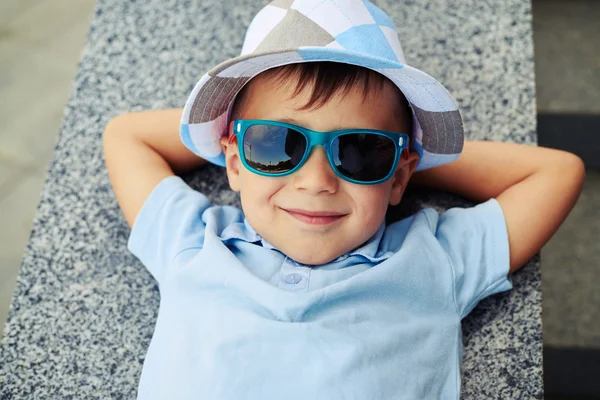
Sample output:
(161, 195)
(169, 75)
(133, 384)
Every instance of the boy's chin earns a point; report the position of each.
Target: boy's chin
(308, 257)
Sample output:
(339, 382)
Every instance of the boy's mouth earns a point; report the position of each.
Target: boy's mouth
(314, 217)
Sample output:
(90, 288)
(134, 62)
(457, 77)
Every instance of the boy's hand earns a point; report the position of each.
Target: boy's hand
(535, 186)
(140, 150)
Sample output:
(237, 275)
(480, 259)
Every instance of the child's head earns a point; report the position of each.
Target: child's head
(323, 97)
(365, 82)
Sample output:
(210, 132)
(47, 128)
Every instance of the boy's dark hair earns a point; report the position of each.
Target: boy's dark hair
(328, 78)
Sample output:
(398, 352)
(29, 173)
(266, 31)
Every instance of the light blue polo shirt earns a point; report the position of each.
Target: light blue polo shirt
(240, 320)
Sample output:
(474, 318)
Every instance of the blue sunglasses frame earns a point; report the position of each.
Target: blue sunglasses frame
(316, 138)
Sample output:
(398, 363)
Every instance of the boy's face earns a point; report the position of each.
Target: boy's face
(315, 187)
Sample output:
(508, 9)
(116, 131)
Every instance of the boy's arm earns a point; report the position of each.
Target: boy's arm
(535, 186)
(140, 150)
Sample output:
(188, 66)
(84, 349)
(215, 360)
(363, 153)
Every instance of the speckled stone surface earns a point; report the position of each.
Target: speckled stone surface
(84, 309)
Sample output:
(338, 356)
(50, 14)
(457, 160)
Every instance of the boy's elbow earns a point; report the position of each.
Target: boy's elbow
(116, 138)
(562, 164)
(115, 126)
(568, 178)
(573, 166)
(116, 131)
(579, 165)
(110, 131)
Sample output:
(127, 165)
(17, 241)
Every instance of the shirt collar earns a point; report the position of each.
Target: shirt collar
(369, 250)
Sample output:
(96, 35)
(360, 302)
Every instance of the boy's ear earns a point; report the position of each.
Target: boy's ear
(406, 166)
(232, 161)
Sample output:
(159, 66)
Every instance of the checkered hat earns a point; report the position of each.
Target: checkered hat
(347, 31)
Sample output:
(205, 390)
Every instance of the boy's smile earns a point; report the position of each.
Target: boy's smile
(313, 216)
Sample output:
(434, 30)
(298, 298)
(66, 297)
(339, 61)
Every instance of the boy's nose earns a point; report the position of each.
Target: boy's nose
(316, 175)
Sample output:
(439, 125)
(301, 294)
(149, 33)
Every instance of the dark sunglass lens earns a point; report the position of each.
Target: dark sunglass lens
(363, 157)
(273, 149)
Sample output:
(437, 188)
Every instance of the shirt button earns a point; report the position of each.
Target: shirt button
(292, 279)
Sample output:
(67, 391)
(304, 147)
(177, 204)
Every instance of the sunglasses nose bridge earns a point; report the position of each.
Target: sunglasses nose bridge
(318, 139)
(322, 139)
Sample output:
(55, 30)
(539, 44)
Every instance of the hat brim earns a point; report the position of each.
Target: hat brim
(438, 134)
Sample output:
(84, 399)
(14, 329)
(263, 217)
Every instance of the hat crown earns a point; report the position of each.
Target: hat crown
(354, 25)
(347, 31)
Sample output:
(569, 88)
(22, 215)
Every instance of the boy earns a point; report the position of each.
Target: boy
(306, 293)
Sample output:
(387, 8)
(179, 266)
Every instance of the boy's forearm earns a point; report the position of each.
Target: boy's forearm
(485, 168)
(134, 169)
(140, 150)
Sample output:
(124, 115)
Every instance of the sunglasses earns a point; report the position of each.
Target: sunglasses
(362, 156)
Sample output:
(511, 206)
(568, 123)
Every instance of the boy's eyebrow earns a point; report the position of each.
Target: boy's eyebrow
(335, 128)
(294, 122)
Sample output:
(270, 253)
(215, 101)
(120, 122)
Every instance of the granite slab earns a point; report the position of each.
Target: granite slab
(84, 308)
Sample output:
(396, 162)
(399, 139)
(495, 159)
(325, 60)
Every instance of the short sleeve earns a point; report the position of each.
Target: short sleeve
(169, 222)
(476, 241)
